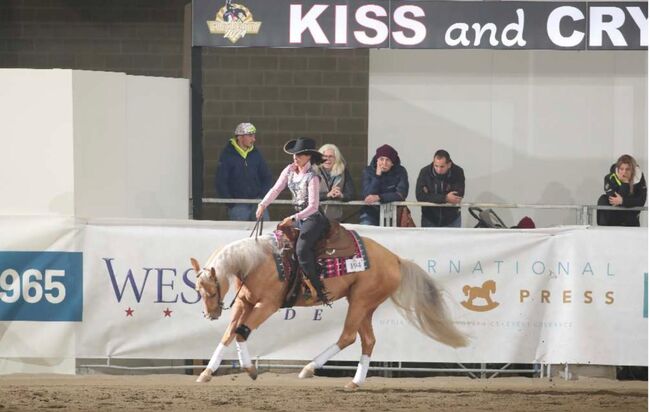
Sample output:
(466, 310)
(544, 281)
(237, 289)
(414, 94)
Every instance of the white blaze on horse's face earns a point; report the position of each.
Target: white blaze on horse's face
(210, 291)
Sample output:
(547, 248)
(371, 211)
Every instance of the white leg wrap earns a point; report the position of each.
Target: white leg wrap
(321, 359)
(244, 357)
(362, 370)
(216, 358)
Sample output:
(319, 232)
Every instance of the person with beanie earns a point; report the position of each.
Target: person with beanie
(441, 182)
(242, 173)
(384, 180)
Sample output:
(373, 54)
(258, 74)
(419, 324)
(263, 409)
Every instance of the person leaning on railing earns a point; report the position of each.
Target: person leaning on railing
(441, 181)
(625, 186)
(336, 182)
(384, 180)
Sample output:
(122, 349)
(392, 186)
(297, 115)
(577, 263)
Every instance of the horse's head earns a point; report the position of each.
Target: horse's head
(210, 289)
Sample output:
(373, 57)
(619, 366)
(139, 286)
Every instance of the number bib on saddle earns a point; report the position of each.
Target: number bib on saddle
(355, 265)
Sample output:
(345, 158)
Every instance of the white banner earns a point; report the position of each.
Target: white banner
(571, 294)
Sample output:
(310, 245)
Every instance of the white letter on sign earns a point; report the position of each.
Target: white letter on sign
(401, 20)
(341, 24)
(518, 28)
(362, 18)
(597, 26)
(553, 26)
(299, 23)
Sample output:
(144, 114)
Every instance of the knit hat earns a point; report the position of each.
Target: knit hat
(245, 128)
(387, 151)
(526, 223)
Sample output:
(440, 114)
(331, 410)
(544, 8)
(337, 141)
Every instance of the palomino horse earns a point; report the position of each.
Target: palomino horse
(250, 266)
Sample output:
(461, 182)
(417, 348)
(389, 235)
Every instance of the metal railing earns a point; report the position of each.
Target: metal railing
(388, 211)
(482, 372)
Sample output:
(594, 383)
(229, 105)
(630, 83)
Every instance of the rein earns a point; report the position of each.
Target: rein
(257, 229)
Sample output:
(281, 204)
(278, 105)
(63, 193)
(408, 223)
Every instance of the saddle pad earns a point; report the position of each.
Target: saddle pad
(330, 267)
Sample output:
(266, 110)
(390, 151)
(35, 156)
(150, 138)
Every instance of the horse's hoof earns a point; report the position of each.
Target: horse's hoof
(251, 371)
(205, 376)
(307, 372)
(351, 386)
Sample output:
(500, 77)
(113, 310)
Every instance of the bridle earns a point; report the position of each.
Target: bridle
(216, 294)
(222, 307)
(257, 230)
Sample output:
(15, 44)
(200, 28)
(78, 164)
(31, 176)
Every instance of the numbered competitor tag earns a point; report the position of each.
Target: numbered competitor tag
(355, 265)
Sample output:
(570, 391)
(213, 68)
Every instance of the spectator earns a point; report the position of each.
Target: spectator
(441, 182)
(625, 186)
(336, 182)
(242, 173)
(384, 180)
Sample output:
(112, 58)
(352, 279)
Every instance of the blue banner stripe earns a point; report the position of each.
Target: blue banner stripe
(41, 286)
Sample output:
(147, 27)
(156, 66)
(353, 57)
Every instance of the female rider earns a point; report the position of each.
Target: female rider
(304, 184)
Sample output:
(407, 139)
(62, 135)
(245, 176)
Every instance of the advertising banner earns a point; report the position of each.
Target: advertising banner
(567, 294)
(424, 24)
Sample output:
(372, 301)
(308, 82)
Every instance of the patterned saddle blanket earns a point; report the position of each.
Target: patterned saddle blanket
(332, 261)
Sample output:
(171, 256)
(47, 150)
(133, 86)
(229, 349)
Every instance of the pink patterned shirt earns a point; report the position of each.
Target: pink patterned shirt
(283, 181)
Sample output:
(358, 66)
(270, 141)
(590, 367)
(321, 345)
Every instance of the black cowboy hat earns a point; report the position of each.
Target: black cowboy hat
(304, 145)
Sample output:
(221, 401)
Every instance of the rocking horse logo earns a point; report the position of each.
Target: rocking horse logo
(234, 21)
(483, 292)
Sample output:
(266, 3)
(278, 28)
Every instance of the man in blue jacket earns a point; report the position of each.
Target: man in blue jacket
(384, 180)
(242, 173)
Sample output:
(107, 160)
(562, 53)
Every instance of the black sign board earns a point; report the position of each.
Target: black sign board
(423, 24)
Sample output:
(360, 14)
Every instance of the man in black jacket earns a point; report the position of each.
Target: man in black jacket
(441, 182)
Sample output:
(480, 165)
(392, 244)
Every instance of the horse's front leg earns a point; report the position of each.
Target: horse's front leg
(239, 310)
(249, 322)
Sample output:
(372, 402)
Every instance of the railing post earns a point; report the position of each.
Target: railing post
(587, 215)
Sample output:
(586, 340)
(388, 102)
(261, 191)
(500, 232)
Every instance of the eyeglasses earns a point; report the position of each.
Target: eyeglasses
(328, 157)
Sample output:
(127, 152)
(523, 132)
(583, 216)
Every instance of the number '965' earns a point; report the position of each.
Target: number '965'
(32, 286)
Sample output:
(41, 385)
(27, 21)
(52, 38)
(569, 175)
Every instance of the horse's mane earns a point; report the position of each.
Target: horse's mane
(241, 257)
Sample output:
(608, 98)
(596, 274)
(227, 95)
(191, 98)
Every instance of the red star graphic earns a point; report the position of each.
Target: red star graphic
(168, 313)
(129, 311)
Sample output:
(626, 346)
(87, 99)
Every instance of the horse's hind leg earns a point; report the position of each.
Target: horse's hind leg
(353, 320)
(367, 336)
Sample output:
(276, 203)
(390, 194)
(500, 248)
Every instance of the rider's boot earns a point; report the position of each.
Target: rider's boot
(320, 288)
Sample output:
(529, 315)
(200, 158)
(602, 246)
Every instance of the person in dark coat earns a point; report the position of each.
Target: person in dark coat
(384, 180)
(625, 186)
(441, 182)
(242, 173)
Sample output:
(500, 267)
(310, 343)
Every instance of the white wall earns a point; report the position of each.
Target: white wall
(94, 144)
(535, 127)
(131, 145)
(36, 164)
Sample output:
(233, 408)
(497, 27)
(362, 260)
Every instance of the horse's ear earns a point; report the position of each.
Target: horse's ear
(195, 265)
(213, 273)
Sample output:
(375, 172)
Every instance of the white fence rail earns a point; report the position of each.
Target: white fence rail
(584, 214)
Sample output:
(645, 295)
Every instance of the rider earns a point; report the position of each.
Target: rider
(304, 184)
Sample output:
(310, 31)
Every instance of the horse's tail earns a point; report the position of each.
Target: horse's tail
(420, 302)
(466, 290)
